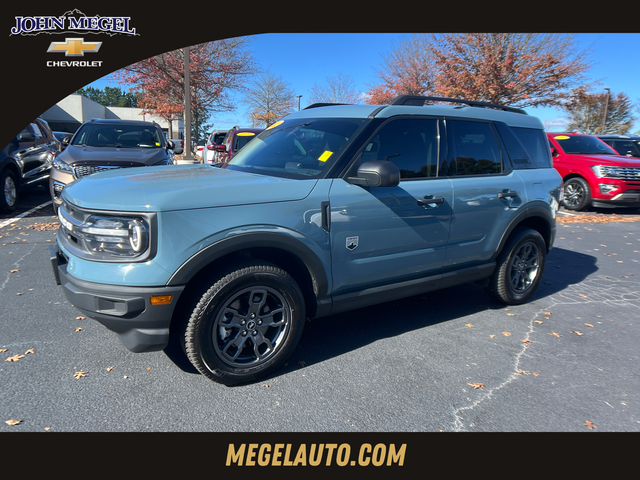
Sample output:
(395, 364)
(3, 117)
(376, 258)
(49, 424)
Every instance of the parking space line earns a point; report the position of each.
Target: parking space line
(23, 214)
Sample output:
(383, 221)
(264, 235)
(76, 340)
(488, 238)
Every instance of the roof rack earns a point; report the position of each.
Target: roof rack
(419, 100)
(316, 105)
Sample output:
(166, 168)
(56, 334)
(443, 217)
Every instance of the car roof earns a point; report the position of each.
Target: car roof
(475, 110)
(119, 121)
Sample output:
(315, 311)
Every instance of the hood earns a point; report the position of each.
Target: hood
(180, 187)
(75, 154)
(613, 160)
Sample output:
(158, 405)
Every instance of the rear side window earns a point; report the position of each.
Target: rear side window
(517, 153)
(536, 144)
(474, 147)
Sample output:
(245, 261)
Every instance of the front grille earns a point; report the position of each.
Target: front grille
(84, 170)
(626, 173)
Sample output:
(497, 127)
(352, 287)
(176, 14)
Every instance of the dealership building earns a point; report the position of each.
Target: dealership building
(71, 112)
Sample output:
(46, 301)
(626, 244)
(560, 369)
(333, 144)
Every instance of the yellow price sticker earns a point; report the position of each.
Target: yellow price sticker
(561, 137)
(246, 134)
(325, 156)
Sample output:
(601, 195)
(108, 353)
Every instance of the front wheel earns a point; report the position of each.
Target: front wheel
(577, 194)
(519, 268)
(8, 192)
(246, 324)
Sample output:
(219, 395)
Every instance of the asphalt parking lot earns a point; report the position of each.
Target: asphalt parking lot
(450, 361)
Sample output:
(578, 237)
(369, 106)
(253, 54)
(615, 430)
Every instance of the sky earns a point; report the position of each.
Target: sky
(305, 59)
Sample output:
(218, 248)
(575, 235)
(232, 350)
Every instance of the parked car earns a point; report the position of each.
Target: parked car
(215, 138)
(100, 145)
(26, 161)
(177, 145)
(628, 145)
(594, 174)
(331, 209)
(234, 140)
(199, 148)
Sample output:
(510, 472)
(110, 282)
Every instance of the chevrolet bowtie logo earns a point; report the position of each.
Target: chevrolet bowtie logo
(74, 47)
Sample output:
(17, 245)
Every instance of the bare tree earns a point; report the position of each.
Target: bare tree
(337, 89)
(268, 98)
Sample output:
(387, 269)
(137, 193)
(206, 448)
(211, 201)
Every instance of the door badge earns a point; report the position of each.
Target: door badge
(352, 243)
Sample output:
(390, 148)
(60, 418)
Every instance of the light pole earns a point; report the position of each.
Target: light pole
(606, 107)
(299, 102)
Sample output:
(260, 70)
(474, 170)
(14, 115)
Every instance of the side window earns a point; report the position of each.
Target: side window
(517, 153)
(412, 144)
(33, 127)
(536, 144)
(474, 148)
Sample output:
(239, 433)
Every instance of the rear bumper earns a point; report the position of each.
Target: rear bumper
(141, 327)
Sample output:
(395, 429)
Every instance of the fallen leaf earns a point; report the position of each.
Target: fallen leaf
(522, 372)
(469, 325)
(80, 318)
(506, 334)
(13, 422)
(535, 374)
(78, 329)
(302, 363)
(31, 350)
(476, 385)
(2, 350)
(527, 342)
(266, 385)
(492, 336)
(585, 296)
(539, 322)
(15, 358)
(511, 314)
(14, 270)
(590, 425)
(577, 333)
(79, 374)
(109, 369)
(589, 325)
(18, 294)
(547, 313)
(148, 368)
(555, 334)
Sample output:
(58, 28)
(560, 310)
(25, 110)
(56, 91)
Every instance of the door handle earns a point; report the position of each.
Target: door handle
(507, 194)
(427, 201)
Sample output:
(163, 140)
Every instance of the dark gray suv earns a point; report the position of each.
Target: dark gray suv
(100, 145)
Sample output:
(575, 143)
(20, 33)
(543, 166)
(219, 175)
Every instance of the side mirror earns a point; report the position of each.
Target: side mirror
(66, 140)
(26, 137)
(377, 173)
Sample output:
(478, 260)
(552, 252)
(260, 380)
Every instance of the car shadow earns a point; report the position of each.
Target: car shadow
(358, 328)
(336, 335)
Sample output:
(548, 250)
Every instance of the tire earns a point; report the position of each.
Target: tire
(519, 267)
(577, 194)
(246, 324)
(8, 191)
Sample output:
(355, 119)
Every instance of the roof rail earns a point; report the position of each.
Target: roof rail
(419, 100)
(316, 105)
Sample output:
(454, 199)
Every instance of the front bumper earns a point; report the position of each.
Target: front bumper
(628, 198)
(141, 327)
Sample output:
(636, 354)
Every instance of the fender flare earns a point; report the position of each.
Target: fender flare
(254, 240)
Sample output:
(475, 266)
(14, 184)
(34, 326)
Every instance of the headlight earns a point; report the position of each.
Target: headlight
(62, 166)
(110, 237)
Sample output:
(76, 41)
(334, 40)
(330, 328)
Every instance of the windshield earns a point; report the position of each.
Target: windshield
(297, 148)
(577, 144)
(119, 135)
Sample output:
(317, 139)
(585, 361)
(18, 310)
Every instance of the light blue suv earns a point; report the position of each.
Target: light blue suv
(332, 208)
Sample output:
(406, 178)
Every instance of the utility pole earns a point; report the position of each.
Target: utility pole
(187, 105)
(606, 107)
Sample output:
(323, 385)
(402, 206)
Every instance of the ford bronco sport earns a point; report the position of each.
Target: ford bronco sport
(330, 209)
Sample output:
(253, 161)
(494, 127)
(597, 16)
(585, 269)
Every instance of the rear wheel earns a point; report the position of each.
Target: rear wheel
(577, 194)
(519, 268)
(246, 324)
(9, 192)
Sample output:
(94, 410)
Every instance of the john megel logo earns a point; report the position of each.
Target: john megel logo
(73, 22)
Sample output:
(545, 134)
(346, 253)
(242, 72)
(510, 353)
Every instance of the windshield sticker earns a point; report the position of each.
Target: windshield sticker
(561, 137)
(325, 156)
(275, 124)
(245, 134)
